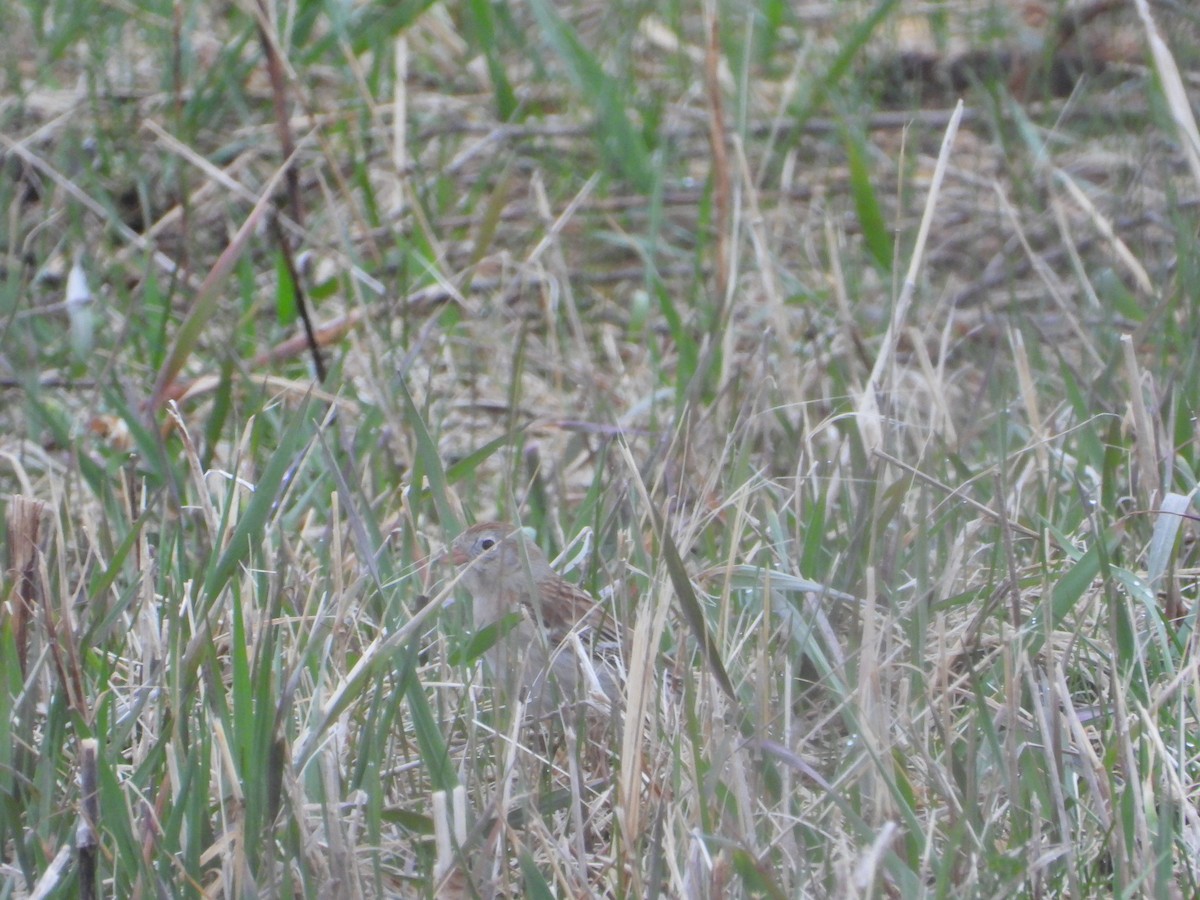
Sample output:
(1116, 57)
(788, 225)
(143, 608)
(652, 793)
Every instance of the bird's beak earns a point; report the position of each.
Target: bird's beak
(457, 555)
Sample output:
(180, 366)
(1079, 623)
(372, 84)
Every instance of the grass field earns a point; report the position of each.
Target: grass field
(766, 335)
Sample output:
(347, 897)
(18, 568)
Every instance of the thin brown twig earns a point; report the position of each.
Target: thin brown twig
(287, 144)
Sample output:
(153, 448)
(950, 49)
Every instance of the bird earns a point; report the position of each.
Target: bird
(564, 646)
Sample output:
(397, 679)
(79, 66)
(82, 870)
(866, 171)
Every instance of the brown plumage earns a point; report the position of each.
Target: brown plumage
(505, 572)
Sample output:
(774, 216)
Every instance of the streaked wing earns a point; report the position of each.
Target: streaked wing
(567, 608)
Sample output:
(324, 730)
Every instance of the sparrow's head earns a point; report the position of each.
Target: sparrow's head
(495, 547)
(501, 565)
(481, 541)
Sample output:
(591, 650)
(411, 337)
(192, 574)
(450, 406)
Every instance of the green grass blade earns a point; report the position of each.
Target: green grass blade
(866, 204)
(248, 533)
(693, 612)
(483, 21)
(622, 146)
(428, 462)
(846, 55)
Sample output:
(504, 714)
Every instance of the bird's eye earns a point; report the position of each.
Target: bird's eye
(487, 544)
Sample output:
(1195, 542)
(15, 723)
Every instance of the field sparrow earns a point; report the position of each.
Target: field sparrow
(564, 642)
